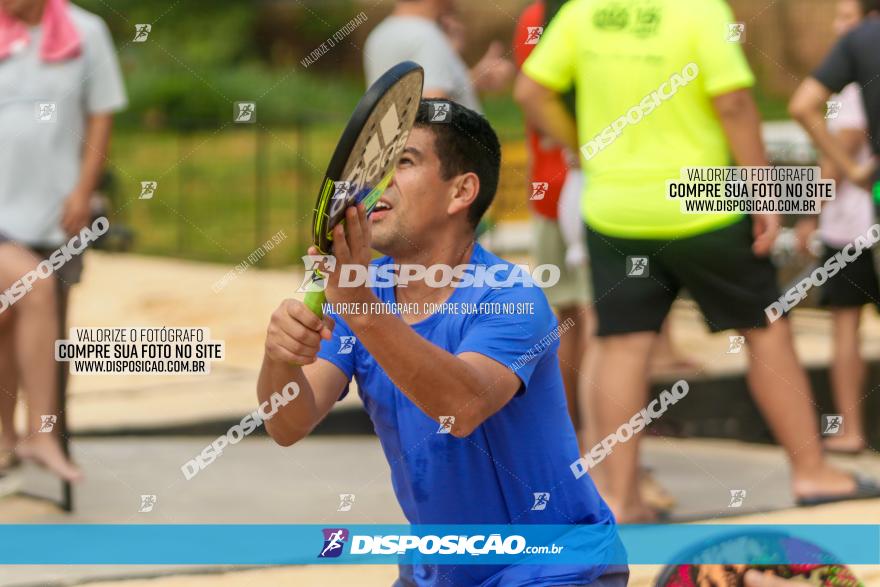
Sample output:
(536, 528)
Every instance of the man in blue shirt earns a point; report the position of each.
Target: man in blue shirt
(468, 402)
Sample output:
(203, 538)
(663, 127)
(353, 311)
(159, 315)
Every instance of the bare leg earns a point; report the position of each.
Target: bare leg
(666, 357)
(847, 379)
(780, 387)
(616, 388)
(35, 334)
(8, 386)
(572, 348)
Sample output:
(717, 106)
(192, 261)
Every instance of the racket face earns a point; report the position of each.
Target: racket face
(765, 551)
(368, 150)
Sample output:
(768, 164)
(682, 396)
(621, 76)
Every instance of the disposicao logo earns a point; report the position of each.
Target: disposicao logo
(334, 541)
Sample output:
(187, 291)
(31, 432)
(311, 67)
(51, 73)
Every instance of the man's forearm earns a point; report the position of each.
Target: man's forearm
(553, 119)
(295, 420)
(438, 382)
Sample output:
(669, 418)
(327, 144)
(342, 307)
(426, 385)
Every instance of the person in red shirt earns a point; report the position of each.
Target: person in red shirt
(548, 170)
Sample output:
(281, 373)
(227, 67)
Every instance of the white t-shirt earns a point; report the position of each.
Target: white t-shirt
(40, 160)
(412, 38)
(851, 212)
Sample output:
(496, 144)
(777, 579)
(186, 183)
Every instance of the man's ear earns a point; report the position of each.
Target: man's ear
(464, 191)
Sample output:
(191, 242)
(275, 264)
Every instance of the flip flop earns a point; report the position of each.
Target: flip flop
(653, 493)
(865, 489)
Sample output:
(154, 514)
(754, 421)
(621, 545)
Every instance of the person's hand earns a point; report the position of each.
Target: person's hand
(803, 230)
(76, 213)
(765, 229)
(454, 30)
(351, 247)
(294, 334)
(493, 72)
(862, 175)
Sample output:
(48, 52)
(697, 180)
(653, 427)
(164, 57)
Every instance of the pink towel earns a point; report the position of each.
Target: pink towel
(60, 37)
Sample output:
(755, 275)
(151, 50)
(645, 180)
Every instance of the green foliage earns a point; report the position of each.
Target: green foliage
(174, 99)
(200, 33)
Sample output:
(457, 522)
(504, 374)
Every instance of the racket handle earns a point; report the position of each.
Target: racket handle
(314, 301)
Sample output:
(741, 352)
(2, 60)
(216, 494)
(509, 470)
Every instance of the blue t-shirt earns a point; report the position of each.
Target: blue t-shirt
(491, 476)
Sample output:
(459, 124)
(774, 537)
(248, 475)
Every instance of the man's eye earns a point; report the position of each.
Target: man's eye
(406, 160)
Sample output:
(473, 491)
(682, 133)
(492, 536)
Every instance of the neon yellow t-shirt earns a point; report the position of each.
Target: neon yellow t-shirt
(648, 69)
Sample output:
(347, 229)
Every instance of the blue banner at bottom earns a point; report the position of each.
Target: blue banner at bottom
(297, 544)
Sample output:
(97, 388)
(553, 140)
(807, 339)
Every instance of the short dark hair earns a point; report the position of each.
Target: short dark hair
(869, 6)
(464, 142)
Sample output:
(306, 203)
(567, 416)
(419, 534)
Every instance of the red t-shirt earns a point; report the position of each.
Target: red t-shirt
(548, 169)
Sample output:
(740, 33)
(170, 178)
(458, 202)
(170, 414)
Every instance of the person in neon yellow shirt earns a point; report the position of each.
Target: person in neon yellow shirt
(662, 85)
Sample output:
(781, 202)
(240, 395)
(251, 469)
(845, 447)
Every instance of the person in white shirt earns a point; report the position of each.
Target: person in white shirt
(412, 32)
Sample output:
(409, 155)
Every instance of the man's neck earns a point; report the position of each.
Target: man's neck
(451, 254)
(417, 8)
(32, 13)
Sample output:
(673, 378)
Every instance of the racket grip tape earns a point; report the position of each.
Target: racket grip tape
(314, 301)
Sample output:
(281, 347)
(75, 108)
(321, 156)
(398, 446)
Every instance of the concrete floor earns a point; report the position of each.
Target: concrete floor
(256, 481)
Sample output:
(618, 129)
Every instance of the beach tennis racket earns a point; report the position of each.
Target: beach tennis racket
(364, 160)
(784, 555)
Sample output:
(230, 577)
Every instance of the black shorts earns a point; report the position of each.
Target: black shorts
(853, 286)
(635, 281)
(68, 274)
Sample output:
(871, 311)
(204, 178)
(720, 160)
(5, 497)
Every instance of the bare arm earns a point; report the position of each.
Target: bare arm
(851, 140)
(470, 386)
(293, 338)
(741, 123)
(545, 111)
(493, 72)
(77, 211)
(807, 106)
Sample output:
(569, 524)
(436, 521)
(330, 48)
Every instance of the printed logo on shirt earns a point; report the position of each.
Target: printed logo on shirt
(641, 21)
